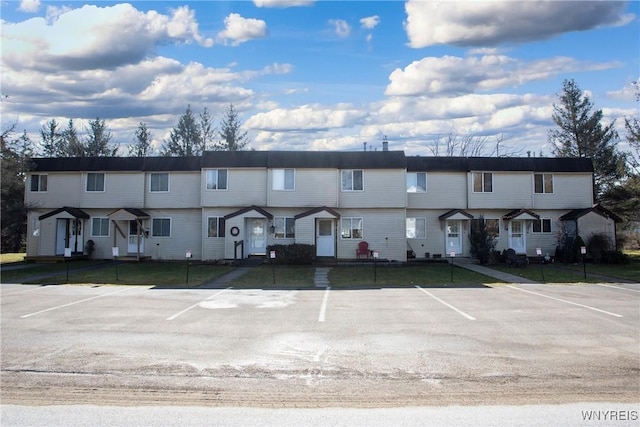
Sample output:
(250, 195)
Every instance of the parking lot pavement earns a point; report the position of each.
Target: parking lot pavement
(390, 346)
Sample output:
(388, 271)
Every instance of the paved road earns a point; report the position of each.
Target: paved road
(118, 346)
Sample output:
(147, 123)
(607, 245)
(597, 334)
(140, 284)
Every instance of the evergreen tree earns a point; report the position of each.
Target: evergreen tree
(207, 129)
(15, 153)
(581, 134)
(232, 138)
(142, 143)
(185, 138)
(52, 141)
(97, 142)
(71, 144)
(482, 242)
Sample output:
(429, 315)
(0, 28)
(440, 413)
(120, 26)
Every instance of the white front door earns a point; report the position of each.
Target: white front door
(454, 237)
(517, 236)
(325, 242)
(132, 243)
(62, 233)
(256, 236)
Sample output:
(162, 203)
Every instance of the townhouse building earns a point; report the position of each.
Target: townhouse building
(226, 205)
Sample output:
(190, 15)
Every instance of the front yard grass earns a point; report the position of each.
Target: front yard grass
(159, 274)
(302, 277)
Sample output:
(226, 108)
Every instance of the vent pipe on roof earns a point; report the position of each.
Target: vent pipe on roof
(385, 143)
(365, 145)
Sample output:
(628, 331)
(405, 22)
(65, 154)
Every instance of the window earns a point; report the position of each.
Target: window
(543, 182)
(283, 179)
(216, 179)
(284, 228)
(95, 181)
(99, 227)
(416, 182)
(38, 182)
(215, 226)
(159, 182)
(542, 225)
(352, 228)
(352, 180)
(482, 182)
(161, 227)
(416, 228)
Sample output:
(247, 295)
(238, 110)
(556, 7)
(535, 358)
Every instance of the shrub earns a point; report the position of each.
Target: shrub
(294, 254)
(482, 242)
(615, 257)
(575, 253)
(599, 243)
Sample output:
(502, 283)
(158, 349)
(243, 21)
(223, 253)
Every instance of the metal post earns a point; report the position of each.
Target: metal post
(583, 251)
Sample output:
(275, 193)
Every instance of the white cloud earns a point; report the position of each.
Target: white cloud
(370, 22)
(306, 118)
(94, 37)
(494, 22)
(29, 5)
(240, 30)
(341, 27)
(456, 75)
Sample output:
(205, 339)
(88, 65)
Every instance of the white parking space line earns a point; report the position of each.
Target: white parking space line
(617, 287)
(323, 308)
(446, 303)
(565, 301)
(76, 302)
(196, 304)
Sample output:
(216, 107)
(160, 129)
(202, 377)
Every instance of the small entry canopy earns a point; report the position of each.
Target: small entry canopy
(66, 212)
(128, 214)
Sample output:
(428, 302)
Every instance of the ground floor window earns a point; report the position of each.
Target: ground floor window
(284, 228)
(100, 227)
(416, 228)
(215, 226)
(542, 225)
(351, 228)
(161, 227)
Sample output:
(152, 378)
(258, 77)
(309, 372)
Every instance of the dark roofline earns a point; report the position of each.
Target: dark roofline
(75, 212)
(491, 164)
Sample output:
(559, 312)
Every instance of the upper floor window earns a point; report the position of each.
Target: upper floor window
(285, 228)
(216, 179)
(215, 226)
(351, 228)
(283, 179)
(416, 182)
(95, 181)
(159, 182)
(99, 227)
(543, 182)
(38, 182)
(542, 225)
(482, 182)
(161, 227)
(352, 180)
(416, 228)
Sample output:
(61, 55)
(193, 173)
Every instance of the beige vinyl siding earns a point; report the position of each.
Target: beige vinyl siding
(186, 234)
(510, 190)
(63, 189)
(383, 188)
(183, 191)
(213, 248)
(121, 189)
(35, 243)
(305, 230)
(593, 223)
(245, 187)
(383, 229)
(547, 242)
(436, 234)
(445, 190)
(313, 187)
(570, 191)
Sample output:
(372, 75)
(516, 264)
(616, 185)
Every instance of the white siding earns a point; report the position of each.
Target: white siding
(313, 187)
(445, 190)
(383, 229)
(511, 190)
(246, 187)
(183, 191)
(383, 188)
(63, 189)
(570, 191)
(121, 189)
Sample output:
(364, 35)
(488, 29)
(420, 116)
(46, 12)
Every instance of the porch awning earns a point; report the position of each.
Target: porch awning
(520, 214)
(255, 208)
(321, 211)
(455, 214)
(128, 214)
(66, 212)
(598, 209)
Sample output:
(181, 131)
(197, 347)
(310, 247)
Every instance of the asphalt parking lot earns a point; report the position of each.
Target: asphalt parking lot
(133, 345)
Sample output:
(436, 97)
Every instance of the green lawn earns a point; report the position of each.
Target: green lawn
(346, 277)
(130, 273)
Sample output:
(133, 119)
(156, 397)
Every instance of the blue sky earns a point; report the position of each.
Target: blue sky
(320, 75)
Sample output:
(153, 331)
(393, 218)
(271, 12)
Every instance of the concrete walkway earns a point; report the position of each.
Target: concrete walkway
(321, 277)
(225, 279)
(505, 277)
